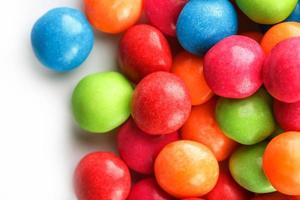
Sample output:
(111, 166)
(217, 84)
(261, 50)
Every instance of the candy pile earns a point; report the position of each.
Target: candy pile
(214, 118)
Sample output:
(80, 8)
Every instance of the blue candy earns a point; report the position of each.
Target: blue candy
(203, 23)
(295, 16)
(62, 39)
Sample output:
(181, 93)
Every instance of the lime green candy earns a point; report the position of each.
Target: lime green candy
(247, 121)
(245, 166)
(101, 101)
(267, 11)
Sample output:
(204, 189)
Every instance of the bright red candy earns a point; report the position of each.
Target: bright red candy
(161, 103)
(139, 149)
(164, 13)
(232, 68)
(144, 50)
(102, 175)
(275, 196)
(281, 71)
(288, 115)
(148, 189)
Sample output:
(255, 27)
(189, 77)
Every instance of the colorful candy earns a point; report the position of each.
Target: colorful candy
(288, 115)
(113, 16)
(135, 62)
(190, 69)
(139, 149)
(101, 101)
(161, 103)
(201, 24)
(186, 169)
(102, 175)
(62, 39)
(232, 67)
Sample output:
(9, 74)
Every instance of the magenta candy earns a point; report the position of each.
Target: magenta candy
(144, 50)
(281, 72)
(139, 149)
(163, 14)
(161, 103)
(232, 67)
(148, 189)
(288, 115)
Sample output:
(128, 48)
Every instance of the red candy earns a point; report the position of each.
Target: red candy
(161, 103)
(232, 67)
(275, 196)
(288, 115)
(144, 50)
(102, 175)
(164, 13)
(281, 71)
(148, 189)
(139, 149)
(193, 199)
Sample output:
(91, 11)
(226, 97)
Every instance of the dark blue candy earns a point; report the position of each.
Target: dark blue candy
(62, 39)
(203, 23)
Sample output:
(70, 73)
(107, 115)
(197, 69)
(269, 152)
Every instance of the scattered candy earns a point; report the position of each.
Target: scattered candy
(288, 115)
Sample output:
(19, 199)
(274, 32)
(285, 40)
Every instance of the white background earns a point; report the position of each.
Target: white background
(40, 144)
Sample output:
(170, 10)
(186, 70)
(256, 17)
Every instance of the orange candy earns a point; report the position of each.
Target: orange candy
(186, 169)
(113, 16)
(190, 69)
(257, 36)
(202, 127)
(279, 33)
(281, 163)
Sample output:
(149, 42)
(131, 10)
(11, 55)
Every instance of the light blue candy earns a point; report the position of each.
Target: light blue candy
(62, 39)
(203, 23)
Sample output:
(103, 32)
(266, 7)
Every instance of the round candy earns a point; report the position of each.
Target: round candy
(257, 36)
(247, 121)
(161, 103)
(279, 33)
(190, 69)
(201, 24)
(202, 127)
(102, 175)
(164, 13)
(62, 39)
(148, 189)
(267, 11)
(186, 169)
(281, 162)
(233, 66)
(295, 15)
(113, 16)
(281, 71)
(245, 165)
(140, 54)
(288, 115)
(101, 101)
(139, 149)
(275, 196)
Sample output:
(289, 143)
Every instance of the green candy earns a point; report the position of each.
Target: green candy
(247, 121)
(267, 11)
(101, 101)
(245, 166)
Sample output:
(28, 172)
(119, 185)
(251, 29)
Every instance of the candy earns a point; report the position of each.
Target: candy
(62, 39)
(247, 121)
(139, 149)
(101, 101)
(148, 189)
(161, 103)
(288, 115)
(232, 67)
(281, 162)
(275, 196)
(281, 71)
(186, 169)
(267, 11)
(193, 199)
(144, 50)
(245, 165)
(164, 13)
(113, 16)
(101, 175)
(201, 24)
(279, 33)
(295, 15)
(202, 127)
(190, 69)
